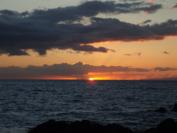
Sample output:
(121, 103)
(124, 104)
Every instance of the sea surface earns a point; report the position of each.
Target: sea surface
(25, 104)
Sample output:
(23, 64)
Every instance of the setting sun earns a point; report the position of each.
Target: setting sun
(98, 78)
(91, 79)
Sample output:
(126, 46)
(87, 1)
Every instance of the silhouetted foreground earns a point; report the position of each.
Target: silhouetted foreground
(78, 127)
(167, 126)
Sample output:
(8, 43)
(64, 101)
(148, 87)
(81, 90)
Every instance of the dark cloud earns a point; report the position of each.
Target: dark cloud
(42, 30)
(133, 54)
(174, 78)
(166, 52)
(78, 70)
(164, 69)
(128, 54)
(92, 8)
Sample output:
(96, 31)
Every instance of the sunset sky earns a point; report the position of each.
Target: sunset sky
(84, 39)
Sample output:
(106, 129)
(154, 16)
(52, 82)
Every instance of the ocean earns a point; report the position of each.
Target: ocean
(25, 104)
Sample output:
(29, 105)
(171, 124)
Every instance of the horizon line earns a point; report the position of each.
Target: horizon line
(88, 80)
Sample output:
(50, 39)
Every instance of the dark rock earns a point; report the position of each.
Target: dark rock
(167, 126)
(161, 110)
(78, 127)
(151, 130)
(174, 108)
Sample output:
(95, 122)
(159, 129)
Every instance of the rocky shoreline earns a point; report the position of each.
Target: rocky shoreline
(52, 126)
(85, 126)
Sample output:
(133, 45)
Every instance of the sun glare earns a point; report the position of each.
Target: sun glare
(91, 79)
(97, 78)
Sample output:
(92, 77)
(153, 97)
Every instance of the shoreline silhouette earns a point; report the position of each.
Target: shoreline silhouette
(85, 126)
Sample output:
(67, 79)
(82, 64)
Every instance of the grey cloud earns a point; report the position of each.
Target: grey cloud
(166, 52)
(164, 69)
(42, 30)
(128, 54)
(79, 70)
(133, 54)
(92, 8)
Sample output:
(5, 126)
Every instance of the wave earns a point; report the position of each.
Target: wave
(13, 130)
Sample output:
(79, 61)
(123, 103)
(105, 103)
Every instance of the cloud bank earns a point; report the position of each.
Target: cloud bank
(61, 28)
(78, 70)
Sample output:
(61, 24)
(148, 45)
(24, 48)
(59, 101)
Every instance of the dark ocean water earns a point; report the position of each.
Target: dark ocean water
(24, 104)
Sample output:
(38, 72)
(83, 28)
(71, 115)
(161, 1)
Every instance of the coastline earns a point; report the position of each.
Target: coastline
(167, 126)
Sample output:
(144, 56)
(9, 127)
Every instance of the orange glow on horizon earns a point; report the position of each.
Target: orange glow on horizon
(59, 78)
(98, 78)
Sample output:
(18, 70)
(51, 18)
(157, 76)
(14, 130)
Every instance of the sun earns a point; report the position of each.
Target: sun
(97, 78)
(91, 79)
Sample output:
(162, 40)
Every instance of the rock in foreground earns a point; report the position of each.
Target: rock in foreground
(78, 127)
(51, 126)
(167, 126)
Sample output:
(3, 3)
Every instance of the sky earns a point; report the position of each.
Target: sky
(88, 39)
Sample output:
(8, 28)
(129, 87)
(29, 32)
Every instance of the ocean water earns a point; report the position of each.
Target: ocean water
(25, 104)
